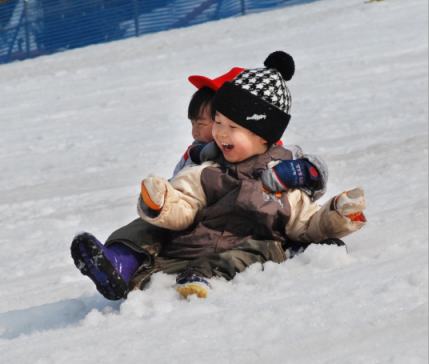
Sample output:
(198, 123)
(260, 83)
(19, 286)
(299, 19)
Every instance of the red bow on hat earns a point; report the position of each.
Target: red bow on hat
(215, 83)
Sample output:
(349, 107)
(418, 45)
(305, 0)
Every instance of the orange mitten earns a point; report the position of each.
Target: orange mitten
(351, 204)
(153, 193)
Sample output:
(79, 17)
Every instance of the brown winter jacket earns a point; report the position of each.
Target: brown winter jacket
(215, 207)
(237, 208)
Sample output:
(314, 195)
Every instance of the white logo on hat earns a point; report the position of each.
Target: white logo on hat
(257, 117)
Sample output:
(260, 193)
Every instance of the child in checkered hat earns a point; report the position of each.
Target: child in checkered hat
(223, 216)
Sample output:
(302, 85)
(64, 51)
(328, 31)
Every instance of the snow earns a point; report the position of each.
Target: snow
(78, 131)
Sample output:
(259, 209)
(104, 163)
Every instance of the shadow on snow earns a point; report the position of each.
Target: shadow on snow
(50, 316)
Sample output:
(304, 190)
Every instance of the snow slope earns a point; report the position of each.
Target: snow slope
(78, 131)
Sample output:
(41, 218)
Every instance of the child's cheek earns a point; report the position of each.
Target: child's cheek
(209, 134)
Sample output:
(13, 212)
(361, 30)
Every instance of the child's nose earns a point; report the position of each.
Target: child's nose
(222, 132)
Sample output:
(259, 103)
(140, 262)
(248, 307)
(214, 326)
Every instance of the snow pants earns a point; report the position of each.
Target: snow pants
(142, 236)
(225, 264)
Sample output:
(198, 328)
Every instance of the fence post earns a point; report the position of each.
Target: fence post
(243, 7)
(27, 30)
(136, 17)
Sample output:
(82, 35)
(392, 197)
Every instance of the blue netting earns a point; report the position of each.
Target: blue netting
(29, 28)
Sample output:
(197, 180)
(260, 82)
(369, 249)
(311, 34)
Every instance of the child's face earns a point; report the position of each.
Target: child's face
(202, 126)
(236, 142)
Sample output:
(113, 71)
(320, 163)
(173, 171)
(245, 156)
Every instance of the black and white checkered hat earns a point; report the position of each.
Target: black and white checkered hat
(268, 84)
(258, 99)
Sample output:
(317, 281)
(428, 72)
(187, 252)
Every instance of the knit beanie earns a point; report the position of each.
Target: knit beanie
(258, 99)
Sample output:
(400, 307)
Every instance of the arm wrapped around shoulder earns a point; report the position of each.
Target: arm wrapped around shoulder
(172, 205)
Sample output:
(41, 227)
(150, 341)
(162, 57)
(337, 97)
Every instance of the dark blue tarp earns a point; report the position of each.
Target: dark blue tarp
(29, 28)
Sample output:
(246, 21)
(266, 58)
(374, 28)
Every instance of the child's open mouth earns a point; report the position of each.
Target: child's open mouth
(227, 147)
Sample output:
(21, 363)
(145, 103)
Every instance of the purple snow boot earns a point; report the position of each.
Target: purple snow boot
(110, 268)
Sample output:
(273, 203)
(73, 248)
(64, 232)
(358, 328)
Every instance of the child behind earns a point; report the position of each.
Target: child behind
(200, 113)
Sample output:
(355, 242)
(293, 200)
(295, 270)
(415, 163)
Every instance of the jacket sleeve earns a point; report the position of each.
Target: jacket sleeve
(185, 161)
(184, 198)
(310, 222)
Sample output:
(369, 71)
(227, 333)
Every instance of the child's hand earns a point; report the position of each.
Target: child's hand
(308, 173)
(351, 204)
(210, 152)
(296, 173)
(203, 152)
(153, 193)
(194, 152)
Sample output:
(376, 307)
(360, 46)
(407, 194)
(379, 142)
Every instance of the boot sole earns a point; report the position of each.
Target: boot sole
(88, 257)
(195, 288)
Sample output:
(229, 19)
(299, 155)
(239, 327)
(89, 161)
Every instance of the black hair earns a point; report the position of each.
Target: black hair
(199, 100)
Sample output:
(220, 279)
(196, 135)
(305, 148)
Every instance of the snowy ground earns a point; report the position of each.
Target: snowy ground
(78, 131)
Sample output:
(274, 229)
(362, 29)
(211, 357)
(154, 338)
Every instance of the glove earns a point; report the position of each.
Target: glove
(195, 151)
(203, 152)
(153, 193)
(209, 152)
(318, 190)
(296, 173)
(283, 175)
(351, 204)
(308, 173)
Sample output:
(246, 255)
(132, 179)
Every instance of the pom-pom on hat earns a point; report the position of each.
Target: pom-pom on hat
(258, 99)
(202, 81)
